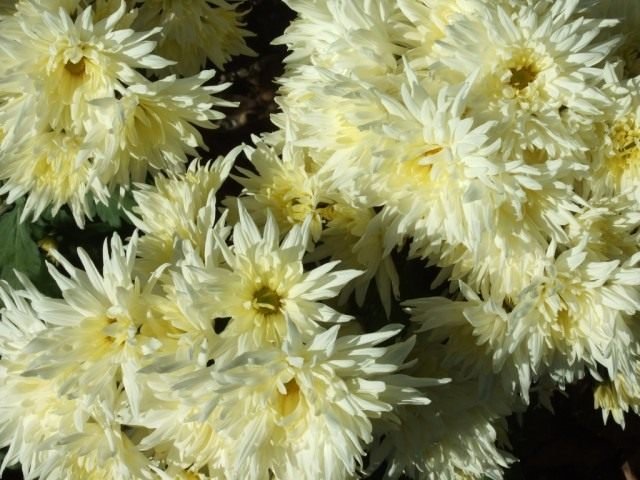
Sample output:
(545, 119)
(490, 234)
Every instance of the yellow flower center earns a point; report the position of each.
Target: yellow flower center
(326, 212)
(111, 336)
(76, 68)
(298, 208)
(117, 330)
(508, 304)
(54, 165)
(289, 198)
(565, 321)
(521, 77)
(524, 67)
(416, 172)
(535, 156)
(347, 220)
(625, 136)
(288, 402)
(266, 301)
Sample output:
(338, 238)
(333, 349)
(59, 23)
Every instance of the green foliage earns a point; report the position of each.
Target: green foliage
(18, 250)
(113, 213)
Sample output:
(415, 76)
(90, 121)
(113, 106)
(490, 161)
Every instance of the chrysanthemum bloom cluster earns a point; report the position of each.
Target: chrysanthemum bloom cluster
(291, 183)
(496, 140)
(76, 112)
(198, 351)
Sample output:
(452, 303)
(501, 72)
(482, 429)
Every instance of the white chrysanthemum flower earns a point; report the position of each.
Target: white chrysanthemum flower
(56, 436)
(50, 433)
(617, 397)
(286, 184)
(436, 179)
(462, 444)
(175, 430)
(295, 188)
(32, 414)
(51, 169)
(195, 31)
(456, 436)
(427, 23)
(99, 451)
(616, 160)
(96, 335)
(178, 208)
(74, 61)
(275, 410)
(575, 314)
(167, 110)
(78, 79)
(263, 285)
(331, 114)
(355, 38)
(445, 321)
(342, 53)
(508, 251)
(446, 187)
(611, 226)
(354, 235)
(537, 72)
(32, 410)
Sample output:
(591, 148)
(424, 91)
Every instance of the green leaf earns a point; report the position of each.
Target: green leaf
(113, 213)
(18, 250)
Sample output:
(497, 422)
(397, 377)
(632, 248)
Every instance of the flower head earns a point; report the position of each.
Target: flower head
(77, 115)
(188, 28)
(262, 285)
(276, 407)
(96, 335)
(178, 208)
